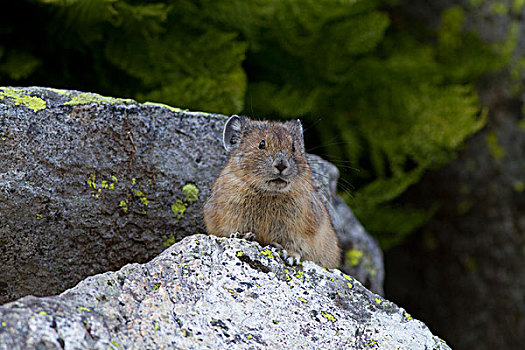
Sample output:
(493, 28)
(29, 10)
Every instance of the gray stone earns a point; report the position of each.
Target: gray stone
(214, 293)
(91, 183)
(367, 262)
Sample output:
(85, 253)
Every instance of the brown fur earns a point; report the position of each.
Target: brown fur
(244, 198)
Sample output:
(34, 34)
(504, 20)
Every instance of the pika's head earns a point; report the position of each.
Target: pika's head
(269, 156)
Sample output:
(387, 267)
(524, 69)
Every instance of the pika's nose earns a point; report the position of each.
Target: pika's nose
(281, 164)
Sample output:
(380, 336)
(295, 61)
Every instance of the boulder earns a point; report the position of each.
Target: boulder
(206, 292)
(90, 183)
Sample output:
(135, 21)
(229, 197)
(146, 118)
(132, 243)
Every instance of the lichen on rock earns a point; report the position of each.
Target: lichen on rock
(202, 294)
(22, 97)
(106, 174)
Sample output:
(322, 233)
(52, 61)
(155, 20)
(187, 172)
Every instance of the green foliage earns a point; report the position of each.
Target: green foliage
(394, 107)
(384, 94)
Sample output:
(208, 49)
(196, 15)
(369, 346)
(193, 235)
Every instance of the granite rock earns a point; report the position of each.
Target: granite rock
(90, 183)
(206, 292)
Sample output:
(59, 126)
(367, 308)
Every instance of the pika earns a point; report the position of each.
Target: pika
(265, 193)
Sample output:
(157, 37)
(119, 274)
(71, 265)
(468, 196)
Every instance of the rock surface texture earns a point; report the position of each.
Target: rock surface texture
(213, 293)
(91, 183)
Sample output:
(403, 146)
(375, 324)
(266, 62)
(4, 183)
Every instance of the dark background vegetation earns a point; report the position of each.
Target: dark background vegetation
(388, 90)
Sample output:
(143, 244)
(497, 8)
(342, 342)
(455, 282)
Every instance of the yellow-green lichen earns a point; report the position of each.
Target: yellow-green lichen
(249, 336)
(4, 324)
(87, 98)
(124, 205)
(191, 193)
(519, 186)
(39, 216)
(42, 313)
(275, 322)
(350, 285)
(156, 326)
(168, 241)
(353, 257)
(97, 189)
(105, 184)
(178, 208)
(407, 317)
(142, 197)
(18, 97)
(267, 253)
(378, 301)
(173, 109)
(59, 91)
(81, 308)
(116, 344)
(303, 300)
(328, 316)
(239, 254)
(299, 274)
(91, 180)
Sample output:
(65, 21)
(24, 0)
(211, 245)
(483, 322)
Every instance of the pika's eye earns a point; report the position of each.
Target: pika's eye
(293, 146)
(262, 145)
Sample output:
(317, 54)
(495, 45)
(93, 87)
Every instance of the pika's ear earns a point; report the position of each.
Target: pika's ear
(231, 136)
(297, 129)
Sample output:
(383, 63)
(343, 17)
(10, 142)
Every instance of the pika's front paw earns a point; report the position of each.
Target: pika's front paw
(291, 259)
(249, 236)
